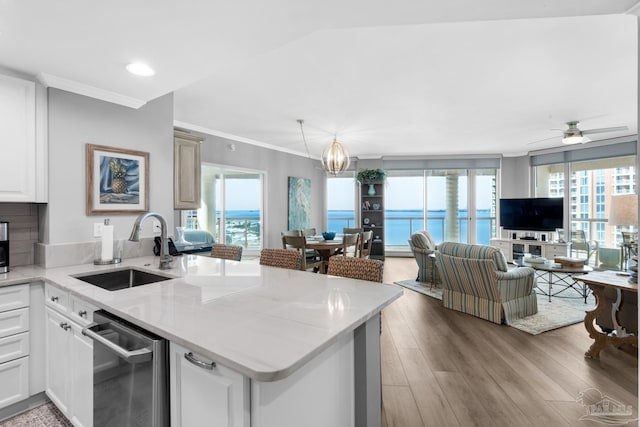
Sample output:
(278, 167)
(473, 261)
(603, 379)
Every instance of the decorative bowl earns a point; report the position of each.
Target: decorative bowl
(329, 235)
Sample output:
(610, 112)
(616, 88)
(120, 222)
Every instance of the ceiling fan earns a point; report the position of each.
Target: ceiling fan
(574, 135)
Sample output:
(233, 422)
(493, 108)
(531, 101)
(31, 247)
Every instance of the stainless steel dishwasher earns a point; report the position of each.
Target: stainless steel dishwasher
(130, 381)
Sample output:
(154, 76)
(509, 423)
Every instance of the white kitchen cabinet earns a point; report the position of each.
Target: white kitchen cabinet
(14, 377)
(81, 393)
(205, 394)
(14, 344)
(57, 345)
(22, 164)
(69, 367)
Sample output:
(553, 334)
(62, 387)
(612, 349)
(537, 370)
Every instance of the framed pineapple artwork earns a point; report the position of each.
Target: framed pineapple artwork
(117, 180)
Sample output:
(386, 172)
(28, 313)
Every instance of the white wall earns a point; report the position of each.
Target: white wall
(75, 121)
(515, 177)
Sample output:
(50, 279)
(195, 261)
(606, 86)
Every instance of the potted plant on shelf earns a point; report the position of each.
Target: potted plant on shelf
(369, 176)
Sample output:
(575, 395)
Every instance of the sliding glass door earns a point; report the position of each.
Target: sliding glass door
(231, 207)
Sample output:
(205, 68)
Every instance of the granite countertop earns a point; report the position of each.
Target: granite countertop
(263, 322)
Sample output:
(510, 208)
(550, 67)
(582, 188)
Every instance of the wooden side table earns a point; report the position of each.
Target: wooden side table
(598, 282)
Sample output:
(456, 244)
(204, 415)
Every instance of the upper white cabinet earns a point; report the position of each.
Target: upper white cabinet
(23, 166)
(186, 171)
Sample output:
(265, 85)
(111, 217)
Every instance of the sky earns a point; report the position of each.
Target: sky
(407, 193)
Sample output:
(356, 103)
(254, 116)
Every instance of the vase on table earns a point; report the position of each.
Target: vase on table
(372, 190)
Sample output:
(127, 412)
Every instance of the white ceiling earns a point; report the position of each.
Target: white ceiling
(388, 78)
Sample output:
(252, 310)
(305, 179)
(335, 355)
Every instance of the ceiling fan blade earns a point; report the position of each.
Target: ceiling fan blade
(601, 130)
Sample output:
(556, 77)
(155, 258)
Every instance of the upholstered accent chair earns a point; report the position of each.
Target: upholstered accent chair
(422, 245)
(222, 251)
(356, 268)
(283, 258)
(475, 280)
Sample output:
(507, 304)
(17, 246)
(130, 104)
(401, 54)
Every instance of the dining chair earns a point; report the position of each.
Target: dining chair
(222, 251)
(282, 258)
(349, 241)
(308, 259)
(347, 230)
(356, 268)
(366, 238)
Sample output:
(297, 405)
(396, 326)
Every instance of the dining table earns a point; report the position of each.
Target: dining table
(326, 249)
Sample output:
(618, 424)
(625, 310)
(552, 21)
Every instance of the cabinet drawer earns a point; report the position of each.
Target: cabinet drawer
(56, 298)
(14, 377)
(14, 347)
(12, 297)
(14, 322)
(81, 311)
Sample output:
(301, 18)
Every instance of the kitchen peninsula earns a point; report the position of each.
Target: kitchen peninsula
(299, 348)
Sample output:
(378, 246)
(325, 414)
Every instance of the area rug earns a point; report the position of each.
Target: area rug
(45, 415)
(551, 315)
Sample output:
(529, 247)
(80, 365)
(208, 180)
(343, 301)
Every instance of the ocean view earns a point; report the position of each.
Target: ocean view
(243, 227)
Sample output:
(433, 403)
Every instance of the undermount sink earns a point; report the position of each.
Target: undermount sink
(121, 279)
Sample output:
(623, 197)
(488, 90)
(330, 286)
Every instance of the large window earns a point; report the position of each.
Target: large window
(404, 207)
(341, 199)
(452, 204)
(231, 207)
(591, 185)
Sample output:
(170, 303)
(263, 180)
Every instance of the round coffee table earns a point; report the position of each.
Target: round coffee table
(562, 276)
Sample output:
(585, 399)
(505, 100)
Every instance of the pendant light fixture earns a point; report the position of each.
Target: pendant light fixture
(335, 158)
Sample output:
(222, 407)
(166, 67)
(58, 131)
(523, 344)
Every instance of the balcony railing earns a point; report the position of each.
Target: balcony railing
(243, 231)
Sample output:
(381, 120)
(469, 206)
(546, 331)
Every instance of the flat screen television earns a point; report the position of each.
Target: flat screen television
(534, 214)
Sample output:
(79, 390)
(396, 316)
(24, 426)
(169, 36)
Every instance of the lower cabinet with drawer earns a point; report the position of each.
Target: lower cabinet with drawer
(69, 365)
(14, 344)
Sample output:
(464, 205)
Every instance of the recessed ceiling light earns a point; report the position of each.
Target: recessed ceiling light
(140, 69)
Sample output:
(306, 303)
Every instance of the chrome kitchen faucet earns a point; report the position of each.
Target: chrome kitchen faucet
(166, 259)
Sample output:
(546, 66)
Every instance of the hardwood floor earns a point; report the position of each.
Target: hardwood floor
(445, 368)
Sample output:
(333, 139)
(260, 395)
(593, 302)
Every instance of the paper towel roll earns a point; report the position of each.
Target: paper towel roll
(107, 243)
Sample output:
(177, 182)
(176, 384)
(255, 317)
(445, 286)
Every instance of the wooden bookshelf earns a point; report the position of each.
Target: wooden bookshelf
(372, 215)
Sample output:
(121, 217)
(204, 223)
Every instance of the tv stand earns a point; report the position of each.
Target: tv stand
(514, 249)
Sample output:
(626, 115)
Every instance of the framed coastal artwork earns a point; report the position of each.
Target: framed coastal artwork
(117, 180)
(299, 203)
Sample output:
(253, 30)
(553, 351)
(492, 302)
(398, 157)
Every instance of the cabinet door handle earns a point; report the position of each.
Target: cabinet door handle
(54, 299)
(82, 313)
(199, 363)
(65, 326)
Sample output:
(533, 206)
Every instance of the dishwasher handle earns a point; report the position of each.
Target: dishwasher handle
(133, 356)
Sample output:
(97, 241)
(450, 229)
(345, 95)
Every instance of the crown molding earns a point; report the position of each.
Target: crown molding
(237, 138)
(49, 80)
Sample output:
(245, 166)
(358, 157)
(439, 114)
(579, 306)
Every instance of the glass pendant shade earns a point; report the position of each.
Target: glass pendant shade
(335, 158)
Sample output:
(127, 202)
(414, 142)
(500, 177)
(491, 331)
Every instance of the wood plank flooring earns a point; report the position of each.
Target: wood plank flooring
(445, 368)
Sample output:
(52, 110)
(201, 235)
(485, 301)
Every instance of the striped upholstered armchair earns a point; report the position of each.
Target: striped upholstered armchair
(475, 280)
(422, 245)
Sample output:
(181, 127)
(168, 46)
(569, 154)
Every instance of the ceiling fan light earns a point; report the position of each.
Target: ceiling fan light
(335, 158)
(573, 139)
